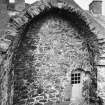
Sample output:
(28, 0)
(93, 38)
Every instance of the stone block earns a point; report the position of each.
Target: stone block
(102, 55)
(22, 102)
(30, 100)
(19, 5)
(24, 19)
(19, 21)
(38, 98)
(4, 45)
(9, 37)
(101, 62)
(32, 11)
(43, 101)
(32, 93)
(11, 32)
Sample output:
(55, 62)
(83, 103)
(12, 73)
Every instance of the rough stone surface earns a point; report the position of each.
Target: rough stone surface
(96, 7)
(44, 60)
(101, 70)
(34, 52)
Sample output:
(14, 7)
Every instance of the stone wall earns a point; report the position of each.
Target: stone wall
(26, 60)
(4, 43)
(47, 54)
(6, 83)
(101, 70)
(19, 5)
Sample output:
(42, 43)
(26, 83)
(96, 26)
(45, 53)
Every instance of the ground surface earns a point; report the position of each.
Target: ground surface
(63, 103)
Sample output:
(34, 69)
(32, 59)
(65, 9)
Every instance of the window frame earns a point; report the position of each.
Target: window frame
(76, 78)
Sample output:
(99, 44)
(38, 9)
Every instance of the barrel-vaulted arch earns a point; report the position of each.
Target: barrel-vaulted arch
(86, 25)
(71, 12)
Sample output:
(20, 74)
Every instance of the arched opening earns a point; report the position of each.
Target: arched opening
(52, 45)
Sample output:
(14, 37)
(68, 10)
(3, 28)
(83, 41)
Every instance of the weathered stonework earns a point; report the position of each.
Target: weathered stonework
(44, 61)
(96, 7)
(30, 54)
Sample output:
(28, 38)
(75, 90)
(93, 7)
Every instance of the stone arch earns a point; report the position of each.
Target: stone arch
(86, 28)
(18, 23)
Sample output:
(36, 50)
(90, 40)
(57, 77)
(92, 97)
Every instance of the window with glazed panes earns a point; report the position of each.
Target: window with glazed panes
(75, 78)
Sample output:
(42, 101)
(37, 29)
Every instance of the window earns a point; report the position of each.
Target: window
(75, 78)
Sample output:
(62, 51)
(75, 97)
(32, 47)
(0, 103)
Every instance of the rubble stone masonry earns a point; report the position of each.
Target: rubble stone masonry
(47, 54)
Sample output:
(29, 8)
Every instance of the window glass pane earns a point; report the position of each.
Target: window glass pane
(75, 75)
(72, 75)
(72, 78)
(78, 74)
(72, 82)
(78, 81)
(78, 78)
(75, 82)
(75, 78)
